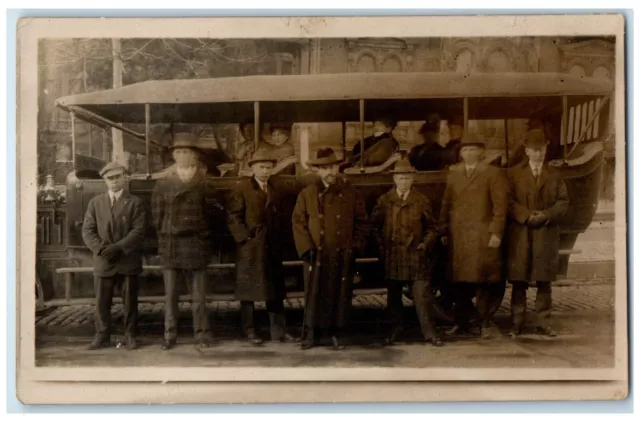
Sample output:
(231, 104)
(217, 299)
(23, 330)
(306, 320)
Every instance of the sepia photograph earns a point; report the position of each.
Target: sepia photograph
(314, 205)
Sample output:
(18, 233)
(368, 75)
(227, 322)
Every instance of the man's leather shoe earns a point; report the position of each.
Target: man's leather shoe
(204, 343)
(457, 330)
(253, 338)
(547, 331)
(288, 338)
(98, 344)
(393, 336)
(168, 344)
(515, 332)
(436, 341)
(486, 333)
(337, 344)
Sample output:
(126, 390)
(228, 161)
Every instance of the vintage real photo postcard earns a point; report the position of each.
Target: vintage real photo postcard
(307, 201)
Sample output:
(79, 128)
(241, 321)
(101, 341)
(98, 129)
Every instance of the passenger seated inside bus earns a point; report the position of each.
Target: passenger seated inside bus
(428, 156)
(280, 146)
(378, 147)
(451, 153)
(246, 145)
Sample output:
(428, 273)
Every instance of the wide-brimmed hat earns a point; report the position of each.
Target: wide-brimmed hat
(403, 167)
(470, 139)
(535, 138)
(112, 167)
(185, 140)
(324, 157)
(262, 156)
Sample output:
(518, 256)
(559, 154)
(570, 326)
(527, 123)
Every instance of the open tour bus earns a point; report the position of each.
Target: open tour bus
(575, 113)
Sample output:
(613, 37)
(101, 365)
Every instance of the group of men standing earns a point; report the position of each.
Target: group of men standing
(483, 211)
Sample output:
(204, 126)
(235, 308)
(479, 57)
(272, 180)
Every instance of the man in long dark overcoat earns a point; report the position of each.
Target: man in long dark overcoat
(182, 206)
(472, 222)
(254, 210)
(406, 232)
(538, 198)
(113, 229)
(329, 228)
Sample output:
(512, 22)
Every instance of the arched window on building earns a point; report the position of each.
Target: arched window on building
(391, 64)
(366, 63)
(577, 70)
(498, 61)
(465, 61)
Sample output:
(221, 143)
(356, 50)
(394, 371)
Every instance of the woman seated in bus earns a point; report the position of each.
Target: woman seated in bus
(280, 147)
(428, 156)
(378, 147)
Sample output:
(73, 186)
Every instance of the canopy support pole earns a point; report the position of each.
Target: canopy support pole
(73, 139)
(147, 135)
(564, 125)
(362, 136)
(256, 124)
(344, 138)
(506, 142)
(465, 108)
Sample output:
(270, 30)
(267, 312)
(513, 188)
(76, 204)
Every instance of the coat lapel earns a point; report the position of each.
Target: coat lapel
(543, 177)
(480, 168)
(262, 196)
(105, 204)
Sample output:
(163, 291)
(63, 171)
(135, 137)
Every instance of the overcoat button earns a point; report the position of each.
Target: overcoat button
(321, 231)
(338, 216)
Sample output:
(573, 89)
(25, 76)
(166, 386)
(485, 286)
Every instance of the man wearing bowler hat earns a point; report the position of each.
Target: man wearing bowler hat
(538, 199)
(182, 205)
(113, 229)
(472, 222)
(406, 233)
(255, 221)
(329, 230)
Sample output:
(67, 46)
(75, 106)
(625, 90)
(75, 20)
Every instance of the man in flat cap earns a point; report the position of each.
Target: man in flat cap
(329, 229)
(472, 223)
(538, 199)
(113, 229)
(182, 206)
(378, 147)
(428, 156)
(255, 221)
(406, 232)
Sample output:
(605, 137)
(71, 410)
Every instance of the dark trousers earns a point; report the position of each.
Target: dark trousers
(104, 286)
(198, 280)
(464, 309)
(519, 303)
(275, 308)
(423, 301)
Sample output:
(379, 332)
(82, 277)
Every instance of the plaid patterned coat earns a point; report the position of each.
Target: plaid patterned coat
(181, 214)
(400, 227)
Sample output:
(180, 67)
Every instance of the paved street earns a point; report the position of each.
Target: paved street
(583, 317)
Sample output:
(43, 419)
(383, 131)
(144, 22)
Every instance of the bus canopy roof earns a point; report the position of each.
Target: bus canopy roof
(333, 96)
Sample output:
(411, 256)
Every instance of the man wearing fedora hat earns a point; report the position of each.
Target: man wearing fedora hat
(378, 147)
(472, 222)
(538, 199)
(182, 206)
(406, 233)
(329, 230)
(113, 228)
(254, 210)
